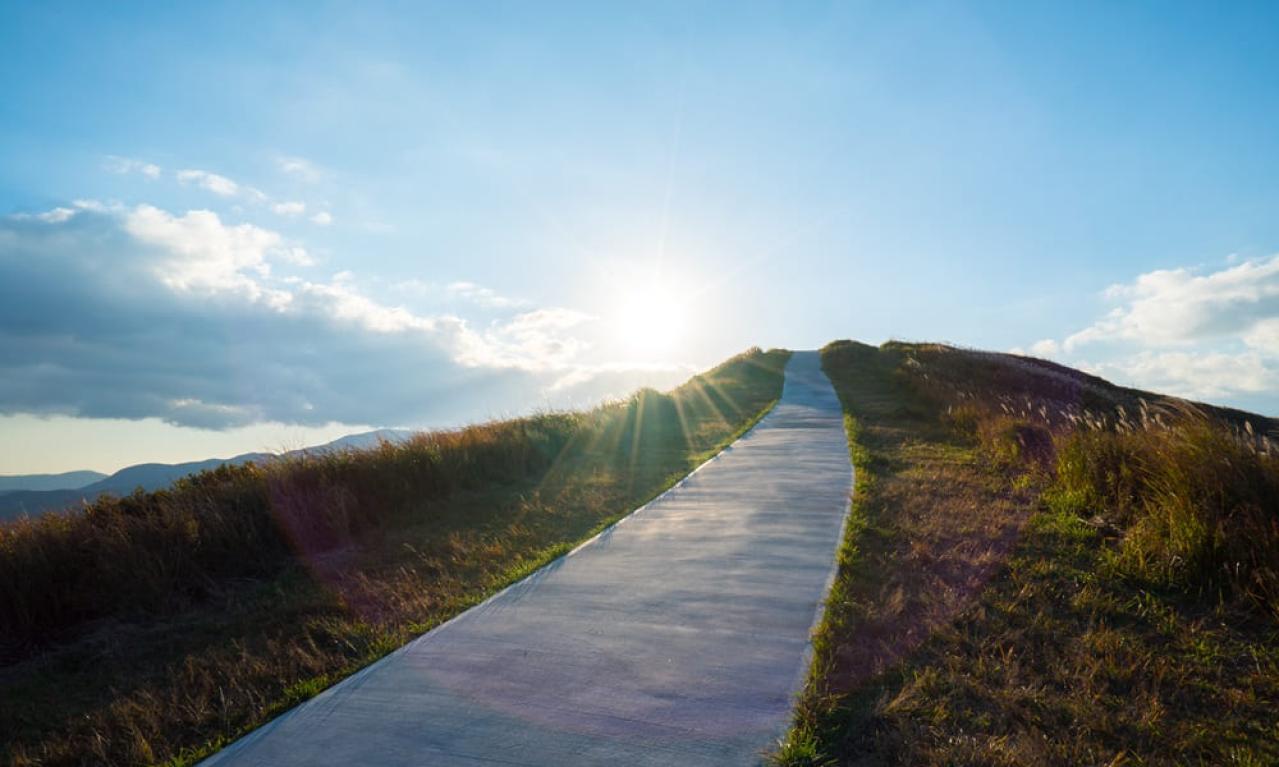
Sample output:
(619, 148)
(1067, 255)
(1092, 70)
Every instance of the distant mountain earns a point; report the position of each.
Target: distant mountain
(66, 481)
(155, 476)
(148, 476)
(362, 441)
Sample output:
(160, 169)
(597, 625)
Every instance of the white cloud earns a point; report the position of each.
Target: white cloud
(192, 410)
(255, 195)
(54, 216)
(297, 256)
(299, 167)
(214, 257)
(1187, 332)
(126, 165)
(289, 208)
(97, 206)
(480, 295)
(225, 187)
(57, 215)
(1170, 307)
(415, 286)
(323, 218)
(536, 341)
(1264, 336)
(1045, 348)
(202, 322)
(203, 255)
(1195, 375)
(459, 293)
(219, 185)
(339, 300)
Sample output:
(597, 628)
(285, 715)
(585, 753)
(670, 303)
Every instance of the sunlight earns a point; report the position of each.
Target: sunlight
(650, 322)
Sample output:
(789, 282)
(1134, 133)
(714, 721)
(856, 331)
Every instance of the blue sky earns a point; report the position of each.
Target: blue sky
(225, 227)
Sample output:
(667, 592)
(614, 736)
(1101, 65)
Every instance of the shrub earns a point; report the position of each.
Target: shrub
(1199, 505)
(1209, 514)
(1101, 473)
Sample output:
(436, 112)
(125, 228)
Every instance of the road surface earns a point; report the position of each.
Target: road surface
(677, 637)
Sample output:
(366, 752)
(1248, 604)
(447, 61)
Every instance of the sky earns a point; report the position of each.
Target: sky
(228, 227)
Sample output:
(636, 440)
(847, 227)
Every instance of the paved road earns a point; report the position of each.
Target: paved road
(677, 637)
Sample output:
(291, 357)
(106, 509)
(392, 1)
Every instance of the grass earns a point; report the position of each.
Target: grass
(158, 627)
(1043, 569)
(1199, 505)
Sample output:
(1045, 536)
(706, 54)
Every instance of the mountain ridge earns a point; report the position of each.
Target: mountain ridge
(67, 480)
(17, 502)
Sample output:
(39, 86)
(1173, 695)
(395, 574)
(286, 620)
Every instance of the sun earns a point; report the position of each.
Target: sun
(650, 322)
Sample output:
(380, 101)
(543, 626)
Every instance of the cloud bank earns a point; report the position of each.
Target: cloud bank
(1178, 307)
(1195, 333)
(134, 312)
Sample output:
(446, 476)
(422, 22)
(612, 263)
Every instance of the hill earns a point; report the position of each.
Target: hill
(154, 476)
(154, 627)
(1041, 567)
(69, 480)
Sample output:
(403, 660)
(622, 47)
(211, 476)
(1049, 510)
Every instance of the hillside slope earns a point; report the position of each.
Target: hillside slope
(153, 628)
(1044, 568)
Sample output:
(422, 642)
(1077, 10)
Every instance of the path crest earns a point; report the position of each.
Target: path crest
(678, 636)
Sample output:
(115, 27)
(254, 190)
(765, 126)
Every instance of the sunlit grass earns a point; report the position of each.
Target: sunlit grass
(156, 627)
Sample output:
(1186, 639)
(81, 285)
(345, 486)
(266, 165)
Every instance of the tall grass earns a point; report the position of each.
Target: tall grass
(155, 628)
(1130, 620)
(164, 551)
(1199, 505)
(1192, 489)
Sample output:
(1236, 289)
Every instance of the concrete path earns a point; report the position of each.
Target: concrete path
(677, 637)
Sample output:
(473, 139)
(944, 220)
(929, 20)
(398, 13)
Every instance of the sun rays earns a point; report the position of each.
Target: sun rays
(624, 430)
(628, 435)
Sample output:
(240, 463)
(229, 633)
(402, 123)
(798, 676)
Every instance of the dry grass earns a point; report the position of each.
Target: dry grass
(1134, 622)
(155, 628)
(928, 528)
(1199, 506)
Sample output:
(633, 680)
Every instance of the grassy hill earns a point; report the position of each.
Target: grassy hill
(1044, 568)
(1040, 568)
(155, 627)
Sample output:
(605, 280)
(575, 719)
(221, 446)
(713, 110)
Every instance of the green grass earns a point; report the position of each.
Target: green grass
(1129, 619)
(1199, 507)
(157, 628)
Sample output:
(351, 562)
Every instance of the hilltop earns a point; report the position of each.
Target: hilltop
(1044, 568)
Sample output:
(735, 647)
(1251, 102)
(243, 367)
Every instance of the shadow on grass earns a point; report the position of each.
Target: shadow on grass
(983, 616)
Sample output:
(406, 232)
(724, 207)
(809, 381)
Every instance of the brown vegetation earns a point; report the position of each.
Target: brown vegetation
(156, 627)
(1134, 622)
